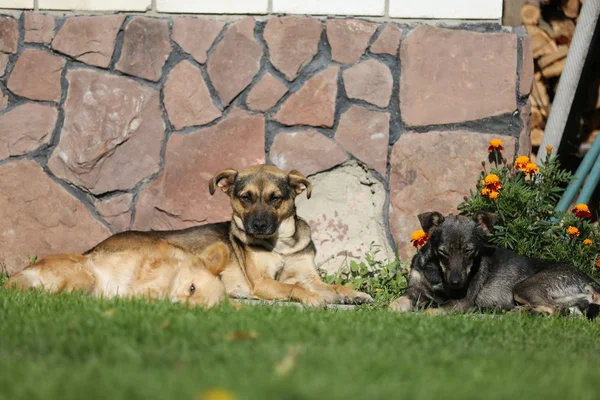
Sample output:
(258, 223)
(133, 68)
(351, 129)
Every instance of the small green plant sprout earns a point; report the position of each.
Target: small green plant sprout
(3, 274)
(383, 280)
(32, 259)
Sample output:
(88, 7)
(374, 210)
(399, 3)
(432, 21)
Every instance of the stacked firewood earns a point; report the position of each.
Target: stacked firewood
(551, 24)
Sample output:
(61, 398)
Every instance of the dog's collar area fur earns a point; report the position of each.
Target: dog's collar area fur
(286, 240)
(286, 229)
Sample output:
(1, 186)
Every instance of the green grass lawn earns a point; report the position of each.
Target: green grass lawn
(77, 347)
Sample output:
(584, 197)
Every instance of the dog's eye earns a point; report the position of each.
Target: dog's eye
(275, 199)
(246, 198)
(192, 289)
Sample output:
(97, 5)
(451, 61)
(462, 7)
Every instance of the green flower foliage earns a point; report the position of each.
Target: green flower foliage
(527, 222)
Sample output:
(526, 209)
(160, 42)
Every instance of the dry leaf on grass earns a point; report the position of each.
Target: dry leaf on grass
(109, 313)
(288, 362)
(241, 335)
(165, 324)
(217, 394)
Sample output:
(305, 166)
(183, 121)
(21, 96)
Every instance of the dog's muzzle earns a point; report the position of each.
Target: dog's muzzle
(455, 280)
(260, 225)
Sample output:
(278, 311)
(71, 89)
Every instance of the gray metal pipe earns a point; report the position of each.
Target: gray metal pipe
(569, 79)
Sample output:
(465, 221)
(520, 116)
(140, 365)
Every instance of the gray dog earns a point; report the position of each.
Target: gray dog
(458, 270)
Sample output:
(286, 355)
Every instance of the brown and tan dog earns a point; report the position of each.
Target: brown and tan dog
(158, 270)
(273, 253)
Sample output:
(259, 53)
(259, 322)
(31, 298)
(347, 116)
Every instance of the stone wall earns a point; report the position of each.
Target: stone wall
(117, 122)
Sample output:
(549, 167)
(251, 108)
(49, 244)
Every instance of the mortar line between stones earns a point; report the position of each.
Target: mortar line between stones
(518, 99)
(518, 68)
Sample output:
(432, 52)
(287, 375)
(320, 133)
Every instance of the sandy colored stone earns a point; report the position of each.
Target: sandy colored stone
(9, 35)
(186, 97)
(25, 128)
(89, 39)
(370, 81)
(307, 151)
(39, 28)
(179, 197)
(345, 213)
(146, 48)
(314, 103)
(235, 60)
(37, 75)
(388, 40)
(116, 211)
(3, 63)
(433, 171)
(112, 133)
(39, 217)
(365, 134)
(349, 38)
(266, 93)
(526, 75)
(195, 36)
(3, 101)
(451, 76)
(293, 42)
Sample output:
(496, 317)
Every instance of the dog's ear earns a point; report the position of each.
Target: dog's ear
(299, 183)
(485, 220)
(430, 220)
(216, 257)
(224, 180)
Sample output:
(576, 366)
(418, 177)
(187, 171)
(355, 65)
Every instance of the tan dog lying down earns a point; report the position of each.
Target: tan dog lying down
(159, 271)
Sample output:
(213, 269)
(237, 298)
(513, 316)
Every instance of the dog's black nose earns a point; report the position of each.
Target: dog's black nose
(259, 225)
(455, 282)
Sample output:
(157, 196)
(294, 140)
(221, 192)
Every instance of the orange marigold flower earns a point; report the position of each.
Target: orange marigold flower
(419, 238)
(485, 191)
(573, 231)
(494, 195)
(521, 162)
(587, 242)
(549, 149)
(531, 168)
(582, 211)
(491, 178)
(495, 144)
(598, 262)
(492, 182)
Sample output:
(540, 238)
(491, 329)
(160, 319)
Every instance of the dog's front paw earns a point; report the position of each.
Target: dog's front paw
(358, 298)
(402, 304)
(434, 311)
(313, 300)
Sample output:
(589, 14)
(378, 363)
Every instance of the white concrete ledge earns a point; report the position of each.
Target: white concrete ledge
(446, 9)
(413, 9)
(252, 302)
(330, 7)
(95, 5)
(25, 4)
(213, 6)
